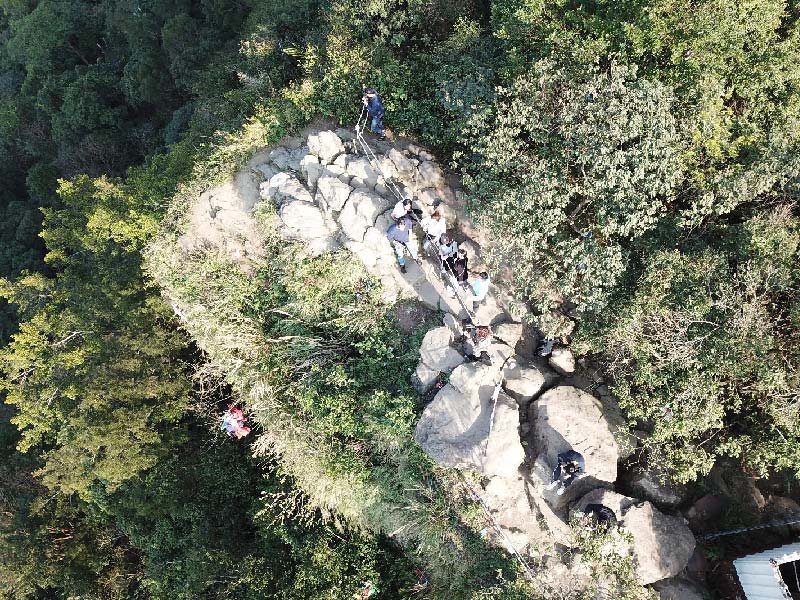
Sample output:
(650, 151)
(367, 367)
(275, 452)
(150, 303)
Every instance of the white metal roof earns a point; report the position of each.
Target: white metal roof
(759, 575)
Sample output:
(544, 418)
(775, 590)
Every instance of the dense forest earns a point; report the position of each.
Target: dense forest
(636, 162)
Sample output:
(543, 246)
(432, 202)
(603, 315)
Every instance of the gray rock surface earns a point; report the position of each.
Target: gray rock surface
(523, 383)
(332, 192)
(679, 588)
(662, 544)
(361, 168)
(310, 169)
(305, 221)
(326, 145)
(284, 187)
(436, 351)
(647, 484)
(567, 418)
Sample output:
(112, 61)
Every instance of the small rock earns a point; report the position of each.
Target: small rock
(523, 383)
(424, 378)
(562, 360)
(280, 157)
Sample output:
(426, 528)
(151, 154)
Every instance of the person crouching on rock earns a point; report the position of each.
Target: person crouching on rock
(399, 236)
(374, 105)
(599, 517)
(570, 466)
(478, 343)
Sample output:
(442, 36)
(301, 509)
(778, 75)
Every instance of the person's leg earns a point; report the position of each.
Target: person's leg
(412, 248)
(377, 125)
(556, 477)
(399, 252)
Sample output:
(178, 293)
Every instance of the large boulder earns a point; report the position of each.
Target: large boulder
(326, 145)
(284, 187)
(504, 453)
(456, 429)
(332, 193)
(661, 545)
(353, 224)
(280, 157)
(567, 418)
(305, 221)
(361, 169)
(511, 509)
(310, 169)
(436, 351)
(452, 429)
(368, 204)
(403, 167)
(523, 382)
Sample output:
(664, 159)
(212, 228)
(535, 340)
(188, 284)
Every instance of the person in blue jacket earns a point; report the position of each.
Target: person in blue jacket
(372, 101)
(399, 236)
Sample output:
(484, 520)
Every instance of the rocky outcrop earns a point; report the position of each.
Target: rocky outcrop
(455, 427)
(567, 418)
(661, 544)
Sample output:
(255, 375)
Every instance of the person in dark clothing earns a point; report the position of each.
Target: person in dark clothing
(399, 236)
(601, 515)
(374, 105)
(570, 466)
(457, 265)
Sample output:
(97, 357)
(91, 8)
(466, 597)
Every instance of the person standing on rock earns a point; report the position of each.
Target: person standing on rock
(480, 287)
(570, 466)
(434, 227)
(447, 247)
(457, 266)
(372, 101)
(399, 236)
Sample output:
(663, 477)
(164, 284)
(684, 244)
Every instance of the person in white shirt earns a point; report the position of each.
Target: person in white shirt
(434, 227)
(480, 288)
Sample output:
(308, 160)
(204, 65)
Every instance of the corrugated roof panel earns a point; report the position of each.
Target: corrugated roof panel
(759, 578)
